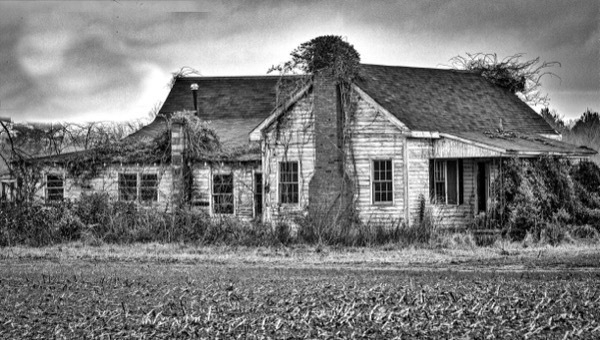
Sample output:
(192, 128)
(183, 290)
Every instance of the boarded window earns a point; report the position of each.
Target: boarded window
(382, 181)
(127, 187)
(55, 190)
(223, 194)
(447, 182)
(149, 187)
(288, 182)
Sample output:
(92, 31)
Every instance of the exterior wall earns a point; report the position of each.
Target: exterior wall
(449, 148)
(291, 138)
(243, 186)
(420, 151)
(373, 137)
(108, 182)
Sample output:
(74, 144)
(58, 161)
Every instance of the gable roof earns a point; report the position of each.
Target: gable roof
(447, 100)
(224, 97)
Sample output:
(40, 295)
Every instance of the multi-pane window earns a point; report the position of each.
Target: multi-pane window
(142, 187)
(55, 190)
(382, 181)
(446, 181)
(127, 187)
(288, 182)
(222, 194)
(148, 187)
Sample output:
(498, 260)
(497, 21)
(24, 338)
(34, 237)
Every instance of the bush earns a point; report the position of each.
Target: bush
(545, 194)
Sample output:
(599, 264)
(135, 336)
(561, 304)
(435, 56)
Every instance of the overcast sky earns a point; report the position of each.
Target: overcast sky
(111, 60)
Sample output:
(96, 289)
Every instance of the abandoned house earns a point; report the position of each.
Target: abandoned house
(414, 136)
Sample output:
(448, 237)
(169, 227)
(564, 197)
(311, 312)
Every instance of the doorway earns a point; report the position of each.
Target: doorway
(482, 186)
(258, 195)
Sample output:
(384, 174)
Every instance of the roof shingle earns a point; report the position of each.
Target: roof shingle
(448, 100)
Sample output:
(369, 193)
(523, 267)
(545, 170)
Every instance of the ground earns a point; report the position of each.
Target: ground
(179, 291)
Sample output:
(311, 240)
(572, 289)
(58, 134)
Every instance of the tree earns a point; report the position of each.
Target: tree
(327, 51)
(519, 77)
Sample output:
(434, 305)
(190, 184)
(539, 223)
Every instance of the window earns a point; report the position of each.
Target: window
(148, 188)
(382, 181)
(223, 194)
(127, 187)
(288, 182)
(54, 187)
(446, 181)
(142, 187)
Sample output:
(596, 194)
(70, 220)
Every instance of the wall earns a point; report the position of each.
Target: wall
(373, 137)
(290, 138)
(420, 151)
(108, 182)
(243, 186)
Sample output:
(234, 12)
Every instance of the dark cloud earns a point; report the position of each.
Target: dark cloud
(68, 60)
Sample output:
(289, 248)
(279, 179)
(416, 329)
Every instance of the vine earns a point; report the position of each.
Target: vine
(337, 58)
(518, 77)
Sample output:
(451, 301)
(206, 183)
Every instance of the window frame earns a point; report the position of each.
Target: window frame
(436, 177)
(59, 178)
(295, 195)
(138, 190)
(213, 195)
(390, 181)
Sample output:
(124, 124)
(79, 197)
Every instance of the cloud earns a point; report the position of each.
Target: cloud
(69, 60)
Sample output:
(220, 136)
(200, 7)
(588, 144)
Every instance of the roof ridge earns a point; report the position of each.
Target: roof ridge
(419, 68)
(240, 77)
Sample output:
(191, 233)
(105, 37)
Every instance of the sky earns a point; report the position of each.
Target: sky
(112, 60)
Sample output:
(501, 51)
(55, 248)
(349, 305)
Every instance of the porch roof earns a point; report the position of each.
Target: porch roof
(520, 145)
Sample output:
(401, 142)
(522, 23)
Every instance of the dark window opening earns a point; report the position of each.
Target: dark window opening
(128, 187)
(288, 182)
(54, 187)
(382, 181)
(223, 194)
(258, 195)
(446, 181)
(149, 188)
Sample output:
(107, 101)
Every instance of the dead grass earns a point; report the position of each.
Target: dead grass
(462, 254)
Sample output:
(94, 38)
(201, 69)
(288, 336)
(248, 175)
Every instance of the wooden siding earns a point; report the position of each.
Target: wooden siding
(374, 137)
(420, 151)
(290, 138)
(450, 148)
(108, 182)
(243, 186)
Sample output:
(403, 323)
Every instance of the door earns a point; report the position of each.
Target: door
(482, 187)
(258, 195)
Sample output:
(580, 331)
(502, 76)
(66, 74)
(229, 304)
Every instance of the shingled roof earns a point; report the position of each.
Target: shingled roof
(448, 100)
(233, 106)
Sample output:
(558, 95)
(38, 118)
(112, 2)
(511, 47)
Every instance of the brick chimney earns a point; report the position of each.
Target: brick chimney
(177, 161)
(330, 190)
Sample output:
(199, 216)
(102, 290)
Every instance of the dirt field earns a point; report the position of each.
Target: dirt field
(289, 294)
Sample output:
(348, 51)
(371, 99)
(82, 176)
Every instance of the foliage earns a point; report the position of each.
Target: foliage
(510, 73)
(544, 195)
(324, 52)
(82, 299)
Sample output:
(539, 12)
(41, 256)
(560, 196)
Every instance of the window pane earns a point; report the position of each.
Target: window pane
(54, 187)
(223, 194)
(149, 187)
(127, 187)
(288, 182)
(382, 181)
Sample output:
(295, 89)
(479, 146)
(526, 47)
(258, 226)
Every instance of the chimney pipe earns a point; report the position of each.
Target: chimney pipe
(194, 88)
